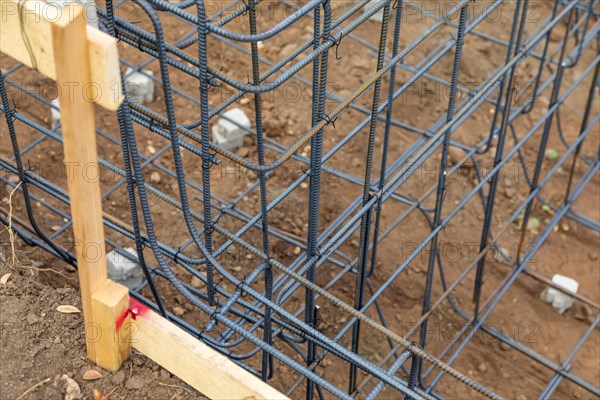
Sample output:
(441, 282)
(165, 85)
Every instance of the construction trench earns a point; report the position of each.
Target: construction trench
(348, 199)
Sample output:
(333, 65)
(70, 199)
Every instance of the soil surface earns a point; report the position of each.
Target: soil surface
(40, 344)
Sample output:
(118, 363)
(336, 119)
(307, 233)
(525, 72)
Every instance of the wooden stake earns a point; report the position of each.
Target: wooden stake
(72, 68)
(110, 305)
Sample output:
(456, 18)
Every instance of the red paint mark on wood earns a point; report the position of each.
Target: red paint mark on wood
(121, 320)
(135, 309)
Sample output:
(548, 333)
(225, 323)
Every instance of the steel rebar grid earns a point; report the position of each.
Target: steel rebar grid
(263, 309)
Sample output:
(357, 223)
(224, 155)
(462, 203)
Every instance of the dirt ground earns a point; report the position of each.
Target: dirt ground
(40, 344)
(51, 347)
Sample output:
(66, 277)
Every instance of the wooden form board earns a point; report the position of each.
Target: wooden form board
(200, 366)
(26, 35)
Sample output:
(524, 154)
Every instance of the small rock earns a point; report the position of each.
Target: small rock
(274, 125)
(455, 155)
(32, 319)
(134, 383)
(36, 350)
(178, 311)
(164, 375)
(482, 368)
(72, 389)
(78, 362)
(521, 397)
(589, 314)
(155, 177)
(533, 223)
(510, 192)
(195, 282)
(356, 162)
(580, 315)
(251, 175)
(504, 346)
(118, 378)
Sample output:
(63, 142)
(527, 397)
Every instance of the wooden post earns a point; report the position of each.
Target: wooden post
(78, 129)
(110, 311)
(57, 42)
(72, 64)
